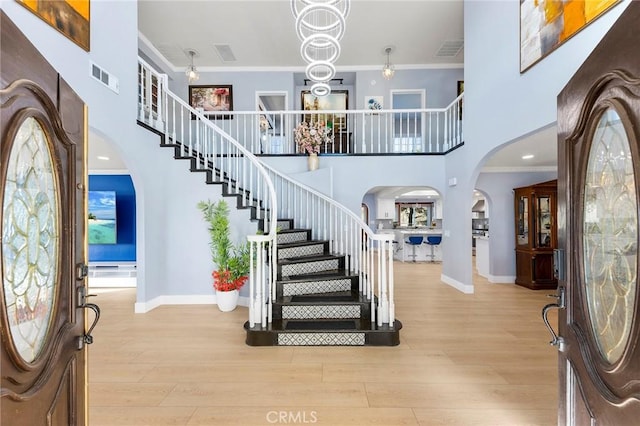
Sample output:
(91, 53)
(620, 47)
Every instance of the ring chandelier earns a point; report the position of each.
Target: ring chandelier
(320, 25)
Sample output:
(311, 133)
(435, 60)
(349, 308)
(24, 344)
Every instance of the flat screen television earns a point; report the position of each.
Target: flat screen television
(102, 217)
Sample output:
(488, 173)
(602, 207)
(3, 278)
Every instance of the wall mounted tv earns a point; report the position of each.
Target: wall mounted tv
(102, 217)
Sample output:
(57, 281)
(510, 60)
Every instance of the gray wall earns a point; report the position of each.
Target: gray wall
(501, 105)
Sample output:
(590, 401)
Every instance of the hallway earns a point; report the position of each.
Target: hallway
(480, 359)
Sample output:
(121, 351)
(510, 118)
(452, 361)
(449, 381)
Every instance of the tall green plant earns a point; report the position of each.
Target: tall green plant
(224, 254)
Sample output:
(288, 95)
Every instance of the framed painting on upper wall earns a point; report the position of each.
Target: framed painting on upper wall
(546, 24)
(70, 17)
(212, 99)
(337, 100)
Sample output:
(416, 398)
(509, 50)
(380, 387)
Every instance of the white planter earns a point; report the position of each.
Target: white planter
(227, 300)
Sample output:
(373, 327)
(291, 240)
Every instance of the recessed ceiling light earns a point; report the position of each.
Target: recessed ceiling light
(528, 157)
(102, 157)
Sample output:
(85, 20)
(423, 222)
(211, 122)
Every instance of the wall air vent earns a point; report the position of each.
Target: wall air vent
(450, 49)
(105, 78)
(224, 52)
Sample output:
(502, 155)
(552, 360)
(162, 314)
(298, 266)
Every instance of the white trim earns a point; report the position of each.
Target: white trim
(527, 169)
(501, 279)
(466, 289)
(108, 172)
(291, 68)
(208, 299)
(150, 46)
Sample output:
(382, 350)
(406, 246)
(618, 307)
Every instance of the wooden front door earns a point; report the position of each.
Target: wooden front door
(42, 193)
(599, 233)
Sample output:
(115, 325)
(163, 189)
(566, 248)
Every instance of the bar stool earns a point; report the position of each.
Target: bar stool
(414, 241)
(433, 240)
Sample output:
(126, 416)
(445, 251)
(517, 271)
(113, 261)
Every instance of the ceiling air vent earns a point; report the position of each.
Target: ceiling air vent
(224, 52)
(450, 49)
(105, 78)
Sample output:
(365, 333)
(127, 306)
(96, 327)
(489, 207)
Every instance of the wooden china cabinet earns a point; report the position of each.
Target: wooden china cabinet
(536, 235)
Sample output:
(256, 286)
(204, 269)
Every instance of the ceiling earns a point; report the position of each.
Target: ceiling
(261, 36)
(261, 33)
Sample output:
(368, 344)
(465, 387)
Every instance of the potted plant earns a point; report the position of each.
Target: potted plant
(309, 137)
(232, 261)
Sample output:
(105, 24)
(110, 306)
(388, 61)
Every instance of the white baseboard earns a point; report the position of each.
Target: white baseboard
(208, 299)
(467, 289)
(502, 279)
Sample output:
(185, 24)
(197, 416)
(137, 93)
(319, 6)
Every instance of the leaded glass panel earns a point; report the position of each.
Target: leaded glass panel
(30, 237)
(610, 235)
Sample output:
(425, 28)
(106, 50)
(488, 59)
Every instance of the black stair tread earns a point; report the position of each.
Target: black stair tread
(318, 276)
(333, 325)
(301, 243)
(311, 258)
(323, 298)
(290, 231)
(332, 298)
(279, 325)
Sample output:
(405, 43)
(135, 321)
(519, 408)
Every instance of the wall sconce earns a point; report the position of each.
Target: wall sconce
(388, 70)
(191, 72)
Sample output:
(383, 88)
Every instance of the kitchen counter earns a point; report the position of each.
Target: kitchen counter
(482, 255)
(404, 251)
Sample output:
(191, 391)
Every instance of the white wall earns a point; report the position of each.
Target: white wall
(500, 105)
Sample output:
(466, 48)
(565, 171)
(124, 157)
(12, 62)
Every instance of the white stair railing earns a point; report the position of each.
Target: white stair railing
(368, 255)
(210, 141)
(376, 132)
(224, 160)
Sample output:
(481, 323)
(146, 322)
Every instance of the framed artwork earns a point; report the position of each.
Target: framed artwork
(102, 217)
(460, 91)
(212, 99)
(546, 24)
(70, 17)
(374, 102)
(336, 100)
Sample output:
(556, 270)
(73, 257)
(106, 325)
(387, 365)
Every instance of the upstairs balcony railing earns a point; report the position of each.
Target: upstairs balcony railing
(355, 132)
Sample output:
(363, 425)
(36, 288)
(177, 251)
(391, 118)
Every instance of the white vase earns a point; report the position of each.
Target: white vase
(227, 300)
(313, 161)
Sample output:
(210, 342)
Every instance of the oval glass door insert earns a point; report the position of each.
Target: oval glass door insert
(30, 237)
(610, 236)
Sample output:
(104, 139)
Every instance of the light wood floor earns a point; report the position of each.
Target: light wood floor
(480, 359)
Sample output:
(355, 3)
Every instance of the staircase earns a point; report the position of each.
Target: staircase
(329, 282)
(318, 302)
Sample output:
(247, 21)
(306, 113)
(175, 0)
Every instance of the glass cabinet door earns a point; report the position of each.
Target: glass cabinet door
(544, 221)
(523, 221)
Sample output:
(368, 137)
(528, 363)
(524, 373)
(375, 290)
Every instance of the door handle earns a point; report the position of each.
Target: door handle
(82, 303)
(555, 339)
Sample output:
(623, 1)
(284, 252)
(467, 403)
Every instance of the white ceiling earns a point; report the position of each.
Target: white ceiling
(261, 34)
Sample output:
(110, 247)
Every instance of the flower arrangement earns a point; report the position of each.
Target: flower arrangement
(232, 261)
(309, 136)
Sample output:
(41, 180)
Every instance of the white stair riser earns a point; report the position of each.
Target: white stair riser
(310, 267)
(316, 287)
(292, 237)
(324, 338)
(306, 250)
